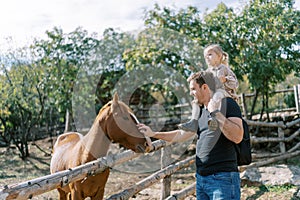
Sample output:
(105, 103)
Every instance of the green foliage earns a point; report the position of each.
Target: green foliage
(60, 57)
(22, 101)
(162, 60)
(268, 36)
(110, 62)
(37, 86)
(262, 40)
(186, 21)
(278, 188)
(266, 47)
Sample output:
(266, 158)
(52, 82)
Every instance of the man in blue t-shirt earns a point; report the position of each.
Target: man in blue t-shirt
(217, 173)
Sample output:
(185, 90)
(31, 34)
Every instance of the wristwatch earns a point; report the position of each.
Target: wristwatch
(214, 113)
(213, 124)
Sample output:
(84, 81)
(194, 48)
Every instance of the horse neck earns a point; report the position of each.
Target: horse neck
(96, 142)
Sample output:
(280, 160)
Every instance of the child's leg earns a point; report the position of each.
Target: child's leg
(215, 101)
(215, 104)
(195, 110)
(192, 125)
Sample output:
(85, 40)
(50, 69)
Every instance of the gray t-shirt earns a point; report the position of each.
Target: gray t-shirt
(214, 152)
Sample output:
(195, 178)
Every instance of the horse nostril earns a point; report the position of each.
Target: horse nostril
(148, 144)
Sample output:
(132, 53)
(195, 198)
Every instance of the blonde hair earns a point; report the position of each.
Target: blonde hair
(218, 50)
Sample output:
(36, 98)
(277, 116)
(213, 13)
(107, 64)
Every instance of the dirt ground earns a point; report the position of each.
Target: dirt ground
(14, 170)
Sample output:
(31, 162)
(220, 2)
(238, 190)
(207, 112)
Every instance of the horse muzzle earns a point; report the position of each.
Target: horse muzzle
(146, 148)
(148, 144)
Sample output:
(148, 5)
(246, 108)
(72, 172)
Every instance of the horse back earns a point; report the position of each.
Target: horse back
(64, 150)
(67, 138)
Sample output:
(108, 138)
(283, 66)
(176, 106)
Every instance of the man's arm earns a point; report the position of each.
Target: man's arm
(231, 127)
(169, 136)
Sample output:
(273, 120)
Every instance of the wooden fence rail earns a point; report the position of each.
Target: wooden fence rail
(189, 190)
(280, 104)
(28, 189)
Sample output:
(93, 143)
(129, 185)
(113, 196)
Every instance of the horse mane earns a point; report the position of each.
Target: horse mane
(105, 106)
(104, 111)
(127, 107)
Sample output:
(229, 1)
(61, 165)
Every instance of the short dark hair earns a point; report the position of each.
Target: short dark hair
(204, 77)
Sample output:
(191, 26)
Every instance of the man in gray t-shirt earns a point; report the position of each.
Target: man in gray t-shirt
(217, 174)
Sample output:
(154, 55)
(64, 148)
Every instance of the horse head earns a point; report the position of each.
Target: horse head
(120, 127)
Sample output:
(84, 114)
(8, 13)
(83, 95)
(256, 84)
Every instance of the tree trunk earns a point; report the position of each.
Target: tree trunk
(263, 107)
(267, 106)
(67, 122)
(254, 103)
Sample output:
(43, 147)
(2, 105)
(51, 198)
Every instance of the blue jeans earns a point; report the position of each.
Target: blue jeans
(222, 185)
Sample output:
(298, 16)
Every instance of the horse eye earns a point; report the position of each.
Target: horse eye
(125, 118)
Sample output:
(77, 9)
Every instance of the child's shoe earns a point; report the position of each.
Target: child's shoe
(191, 125)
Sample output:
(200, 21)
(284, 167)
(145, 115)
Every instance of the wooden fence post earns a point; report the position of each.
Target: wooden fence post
(297, 97)
(166, 153)
(244, 106)
(281, 136)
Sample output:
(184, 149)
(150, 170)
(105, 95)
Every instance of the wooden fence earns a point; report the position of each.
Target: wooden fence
(297, 97)
(280, 109)
(30, 188)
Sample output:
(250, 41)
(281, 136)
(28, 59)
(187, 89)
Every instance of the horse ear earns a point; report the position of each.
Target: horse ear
(115, 98)
(115, 102)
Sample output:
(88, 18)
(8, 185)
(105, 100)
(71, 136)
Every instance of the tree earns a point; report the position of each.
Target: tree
(22, 100)
(99, 75)
(268, 37)
(186, 21)
(37, 86)
(60, 57)
(262, 39)
(166, 52)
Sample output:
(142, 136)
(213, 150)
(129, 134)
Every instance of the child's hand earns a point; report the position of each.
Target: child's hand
(213, 105)
(222, 79)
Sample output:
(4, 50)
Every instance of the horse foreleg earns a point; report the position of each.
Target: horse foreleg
(62, 194)
(104, 177)
(99, 195)
(76, 192)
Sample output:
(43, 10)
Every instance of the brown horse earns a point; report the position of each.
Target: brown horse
(114, 123)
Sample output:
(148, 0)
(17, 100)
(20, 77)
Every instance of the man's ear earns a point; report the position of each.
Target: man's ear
(205, 86)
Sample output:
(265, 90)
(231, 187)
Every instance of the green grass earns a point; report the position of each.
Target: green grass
(278, 188)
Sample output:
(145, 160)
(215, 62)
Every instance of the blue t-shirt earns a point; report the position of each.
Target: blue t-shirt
(214, 152)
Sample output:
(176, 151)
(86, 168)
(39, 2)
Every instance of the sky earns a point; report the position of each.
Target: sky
(26, 19)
